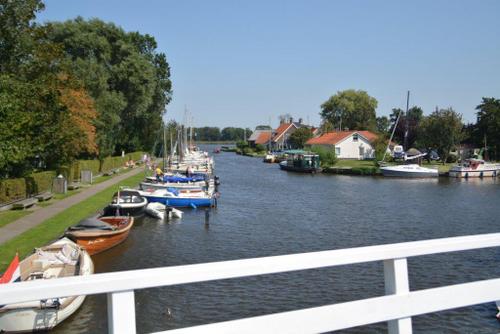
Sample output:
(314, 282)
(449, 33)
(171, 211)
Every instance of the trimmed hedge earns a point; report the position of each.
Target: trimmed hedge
(15, 189)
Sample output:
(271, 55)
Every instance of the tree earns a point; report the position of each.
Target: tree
(124, 74)
(299, 137)
(383, 124)
(414, 116)
(353, 109)
(17, 27)
(488, 126)
(441, 130)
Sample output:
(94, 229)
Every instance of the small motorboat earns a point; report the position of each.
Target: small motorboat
(126, 202)
(475, 168)
(99, 234)
(160, 211)
(62, 258)
(409, 171)
(269, 158)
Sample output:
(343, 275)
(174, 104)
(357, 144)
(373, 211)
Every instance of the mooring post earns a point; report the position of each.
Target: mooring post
(207, 217)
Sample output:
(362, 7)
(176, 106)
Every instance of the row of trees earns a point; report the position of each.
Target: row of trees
(226, 134)
(443, 129)
(75, 89)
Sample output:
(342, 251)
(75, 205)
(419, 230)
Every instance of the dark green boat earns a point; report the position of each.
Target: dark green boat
(301, 162)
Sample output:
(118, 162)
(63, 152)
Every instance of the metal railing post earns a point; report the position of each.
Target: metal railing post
(121, 312)
(396, 283)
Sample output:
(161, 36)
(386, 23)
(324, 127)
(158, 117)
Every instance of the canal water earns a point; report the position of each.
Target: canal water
(264, 211)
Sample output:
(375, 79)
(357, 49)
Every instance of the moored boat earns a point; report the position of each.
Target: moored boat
(62, 258)
(99, 234)
(409, 171)
(301, 161)
(475, 168)
(126, 202)
(174, 197)
(160, 211)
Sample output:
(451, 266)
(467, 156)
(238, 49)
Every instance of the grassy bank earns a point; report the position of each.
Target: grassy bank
(54, 227)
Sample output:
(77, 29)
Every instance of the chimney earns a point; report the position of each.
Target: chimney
(291, 119)
(300, 120)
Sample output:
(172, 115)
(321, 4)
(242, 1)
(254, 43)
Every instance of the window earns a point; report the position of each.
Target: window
(337, 151)
(355, 137)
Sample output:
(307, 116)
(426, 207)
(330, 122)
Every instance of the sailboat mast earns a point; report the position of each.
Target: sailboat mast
(164, 146)
(405, 144)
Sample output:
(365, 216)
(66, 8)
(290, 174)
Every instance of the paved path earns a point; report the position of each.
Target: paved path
(25, 223)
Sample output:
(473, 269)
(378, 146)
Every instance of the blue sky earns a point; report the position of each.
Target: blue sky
(238, 63)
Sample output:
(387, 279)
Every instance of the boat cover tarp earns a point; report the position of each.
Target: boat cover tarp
(92, 223)
(174, 191)
(178, 178)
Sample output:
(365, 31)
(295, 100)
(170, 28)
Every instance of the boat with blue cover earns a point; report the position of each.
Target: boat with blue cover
(176, 198)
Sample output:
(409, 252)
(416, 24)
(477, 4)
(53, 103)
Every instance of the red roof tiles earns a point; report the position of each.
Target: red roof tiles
(263, 138)
(332, 138)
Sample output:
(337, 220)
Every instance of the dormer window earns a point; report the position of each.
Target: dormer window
(355, 137)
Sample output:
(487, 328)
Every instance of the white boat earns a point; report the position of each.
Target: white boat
(61, 259)
(409, 171)
(475, 168)
(158, 210)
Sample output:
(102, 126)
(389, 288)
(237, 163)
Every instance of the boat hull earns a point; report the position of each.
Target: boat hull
(124, 209)
(310, 170)
(408, 174)
(32, 316)
(473, 173)
(181, 202)
(97, 241)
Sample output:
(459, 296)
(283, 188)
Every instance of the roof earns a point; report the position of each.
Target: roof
(263, 138)
(282, 129)
(332, 138)
(256, 134)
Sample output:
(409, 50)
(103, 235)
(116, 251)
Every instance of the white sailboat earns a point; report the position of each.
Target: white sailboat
(408, 170)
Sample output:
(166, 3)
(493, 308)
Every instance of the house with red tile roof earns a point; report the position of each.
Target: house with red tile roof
(261, 137)
(356, 144)
(277, 139)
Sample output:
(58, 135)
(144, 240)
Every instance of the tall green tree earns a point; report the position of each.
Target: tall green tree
(383, 124)
(488, 126)
(442, 130)
(125, 75)
(411, 119)
(299, 137)
(353, 109)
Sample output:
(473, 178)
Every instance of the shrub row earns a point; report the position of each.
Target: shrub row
(14, 189)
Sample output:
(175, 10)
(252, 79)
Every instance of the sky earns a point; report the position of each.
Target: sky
(243, 63)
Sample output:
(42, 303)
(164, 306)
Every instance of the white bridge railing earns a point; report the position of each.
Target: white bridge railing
(397, 306)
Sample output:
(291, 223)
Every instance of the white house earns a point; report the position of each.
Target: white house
(347, 144)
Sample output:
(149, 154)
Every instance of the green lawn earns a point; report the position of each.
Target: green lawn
(7, 217)
(55, 226)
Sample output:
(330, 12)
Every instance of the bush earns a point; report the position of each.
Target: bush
(12, 189)
(241, 144)
(260, 148)
(327, 156)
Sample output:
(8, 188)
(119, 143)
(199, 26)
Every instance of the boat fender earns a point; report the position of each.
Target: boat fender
(466, 175)
(481, 174)
(193, 205)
